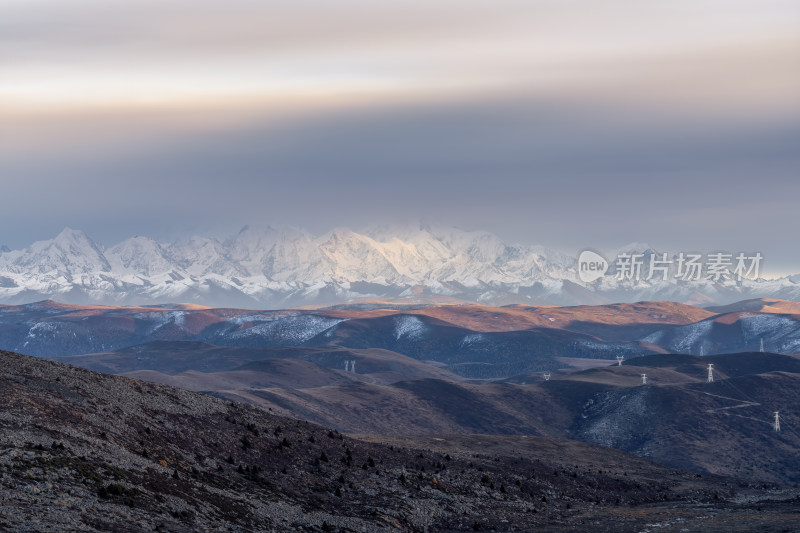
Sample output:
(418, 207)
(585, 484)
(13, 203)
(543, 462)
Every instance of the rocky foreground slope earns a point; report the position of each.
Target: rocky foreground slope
(82, 451)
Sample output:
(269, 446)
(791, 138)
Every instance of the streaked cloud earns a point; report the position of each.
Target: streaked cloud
(505, 115)
(90, 53)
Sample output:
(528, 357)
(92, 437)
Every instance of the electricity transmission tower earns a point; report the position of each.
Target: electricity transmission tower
(777, 424)
(710, 373)
(620, 358)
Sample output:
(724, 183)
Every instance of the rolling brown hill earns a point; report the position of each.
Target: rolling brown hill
(418, 372)
(761, 305)
(82, 451)
(676, 419)
(202, 366)
(476, 342)
(516, 317)
(53, 329)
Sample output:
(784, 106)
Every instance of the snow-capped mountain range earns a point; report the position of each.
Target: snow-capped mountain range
(287, 267)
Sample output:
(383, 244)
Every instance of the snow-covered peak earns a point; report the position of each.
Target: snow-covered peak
(140, 255)
(294, 257)
(252, 243)
(357, 257)
(70, 235)
(202, 256)
(249, 242)
(281, 266)
(70, 254)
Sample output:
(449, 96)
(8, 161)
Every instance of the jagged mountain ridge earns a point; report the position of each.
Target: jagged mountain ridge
(288, 267)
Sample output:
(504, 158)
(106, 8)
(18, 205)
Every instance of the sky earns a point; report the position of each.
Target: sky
(566, 123)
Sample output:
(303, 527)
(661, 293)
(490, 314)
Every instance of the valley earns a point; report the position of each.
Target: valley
(469, 369)
(83, 451)
(498, 390)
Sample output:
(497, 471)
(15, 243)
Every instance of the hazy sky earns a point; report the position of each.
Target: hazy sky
(569, 123)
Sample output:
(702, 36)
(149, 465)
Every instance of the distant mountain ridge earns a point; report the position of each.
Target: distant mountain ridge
(470, 340)
(286, 267)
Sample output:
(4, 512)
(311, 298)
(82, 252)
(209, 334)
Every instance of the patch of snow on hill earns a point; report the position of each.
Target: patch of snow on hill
(654, 338)
(408, 326)
(606, 349)
(757, 326)
(289, 330)
(40, 331)
(473, 338)
(159, 319)
(691, 335)
(619, 419)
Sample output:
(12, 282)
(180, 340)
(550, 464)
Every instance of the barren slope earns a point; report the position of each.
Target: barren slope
(81, 451)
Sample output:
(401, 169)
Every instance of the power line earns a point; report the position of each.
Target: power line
(775, 422)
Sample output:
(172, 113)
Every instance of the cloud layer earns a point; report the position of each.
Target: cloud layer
(562, 123)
